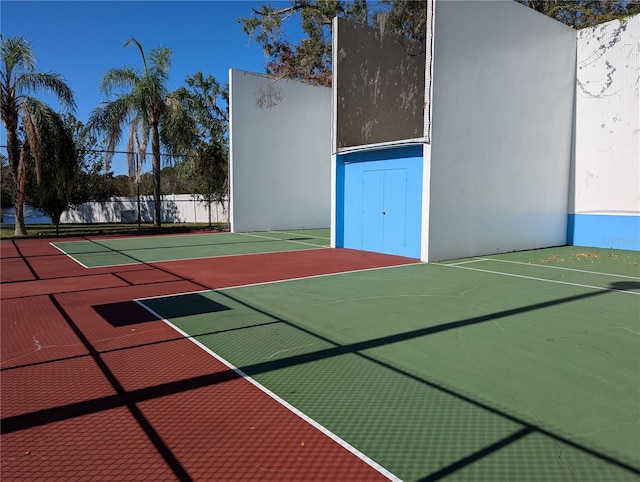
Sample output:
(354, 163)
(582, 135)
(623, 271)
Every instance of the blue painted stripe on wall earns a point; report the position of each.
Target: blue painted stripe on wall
(604, 231)
(382, 154)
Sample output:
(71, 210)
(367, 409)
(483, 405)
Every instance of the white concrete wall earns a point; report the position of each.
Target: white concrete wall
(605, 204)
(426, 202)
(176, 208)
(280, 154)
(503, 95)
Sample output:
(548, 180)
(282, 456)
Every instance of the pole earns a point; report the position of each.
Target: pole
(138, 193)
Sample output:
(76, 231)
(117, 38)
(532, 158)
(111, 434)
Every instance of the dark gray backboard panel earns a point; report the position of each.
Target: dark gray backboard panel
(380, 86)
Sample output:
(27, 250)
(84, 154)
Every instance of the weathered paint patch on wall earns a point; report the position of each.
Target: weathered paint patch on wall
(604, 202)
(380, 82)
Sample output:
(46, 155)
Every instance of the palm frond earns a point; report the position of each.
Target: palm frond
(178, 129)
(47, 136)
(133, 41)
(137, 147)
(32, 136)
(108, 120)
(54, 83)
(115, 79)
(110, 117)
(108, 156)
(161, 63)
(16, 54)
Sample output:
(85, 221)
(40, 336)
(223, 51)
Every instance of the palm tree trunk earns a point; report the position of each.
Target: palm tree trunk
(155, 154)
(209, 196)
(56, 221)
(18, 171)
(21, 185)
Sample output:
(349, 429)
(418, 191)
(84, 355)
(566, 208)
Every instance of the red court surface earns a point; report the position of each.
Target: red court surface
(94, 388)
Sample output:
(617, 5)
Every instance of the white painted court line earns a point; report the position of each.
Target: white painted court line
(69, 256)
(133, 263)
(600, 288)
(285, 240)
(95, 267)
(556, 267)
(466, 262)
(299, 234)
(370, 462)
(171, 295)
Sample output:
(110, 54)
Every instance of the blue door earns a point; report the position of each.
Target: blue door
(371, 221)
(382, 202)
(394, 211)
(383, 224)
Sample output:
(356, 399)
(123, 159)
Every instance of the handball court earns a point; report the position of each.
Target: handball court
(268, 356)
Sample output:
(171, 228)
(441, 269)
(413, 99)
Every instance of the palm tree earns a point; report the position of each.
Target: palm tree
(142, 104)
(18, 80)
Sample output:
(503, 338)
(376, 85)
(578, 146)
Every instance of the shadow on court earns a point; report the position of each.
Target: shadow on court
(625, 285)
(125, 313)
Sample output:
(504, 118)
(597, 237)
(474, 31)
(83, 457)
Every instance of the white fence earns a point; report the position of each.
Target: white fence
(176, 208)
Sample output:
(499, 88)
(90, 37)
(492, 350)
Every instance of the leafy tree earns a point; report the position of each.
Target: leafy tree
(54, 193)
(405, 17)
(584, 13)
(18, 81)
(122, 185)
(93, 183)
(143, 104)
(60, 166)
(205, 163)
(310, 58)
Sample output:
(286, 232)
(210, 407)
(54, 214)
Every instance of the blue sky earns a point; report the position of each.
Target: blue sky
(82, 39)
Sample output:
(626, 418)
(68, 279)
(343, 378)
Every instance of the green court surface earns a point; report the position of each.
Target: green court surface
(114, 252)
(518, 367)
